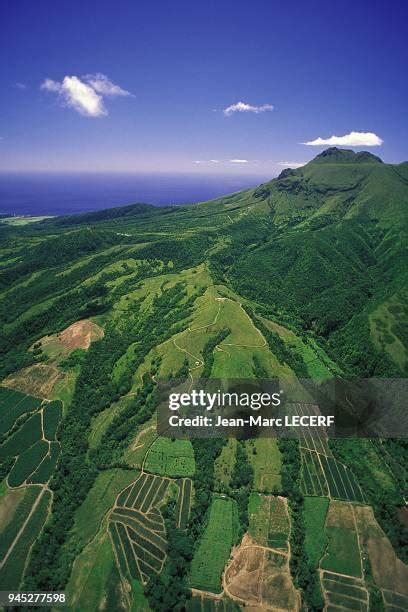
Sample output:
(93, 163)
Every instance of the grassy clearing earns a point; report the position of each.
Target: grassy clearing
(136, 452)
(214, 549)
(258, 513)
(387, 325)
(224, 465)
(315, 511)
(98, 502)
(317, 362)
(174, 458)
(265, 458)
(86, 589)
(343, 555)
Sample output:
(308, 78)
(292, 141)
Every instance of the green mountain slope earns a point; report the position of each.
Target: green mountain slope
(303, 276)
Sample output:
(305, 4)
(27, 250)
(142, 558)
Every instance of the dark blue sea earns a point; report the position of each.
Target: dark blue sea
(61, 194)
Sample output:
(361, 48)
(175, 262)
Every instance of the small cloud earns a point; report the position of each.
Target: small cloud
(238, 161)
(288, 164)
(353, 139)
(85, 94)
(104, 86)
(206, 161)
(243, 107)
(21, 86)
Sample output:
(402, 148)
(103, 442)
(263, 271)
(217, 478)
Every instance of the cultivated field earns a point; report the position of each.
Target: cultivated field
(269, 521)
(344, 592)
(325, 476)
(30, 443)
(183, 505)
(215, 546)
(315, 511)
(137, 528)
(173, 458)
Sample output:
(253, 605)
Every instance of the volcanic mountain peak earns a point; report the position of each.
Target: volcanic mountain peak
(345, 156)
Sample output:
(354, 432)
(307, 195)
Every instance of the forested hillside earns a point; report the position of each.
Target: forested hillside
(304, 276)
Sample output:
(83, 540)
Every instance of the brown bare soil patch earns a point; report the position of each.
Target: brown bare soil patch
(260, 578)
(389, 571)
(79, 335)
(243, 575)
(38, 380)
(340, 514)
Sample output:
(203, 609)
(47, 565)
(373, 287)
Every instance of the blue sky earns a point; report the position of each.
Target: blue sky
(144, 86)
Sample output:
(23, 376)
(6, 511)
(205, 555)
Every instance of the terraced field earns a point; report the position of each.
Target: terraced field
(137, 529)
(344, 592)
(31, 442)
(30, 451)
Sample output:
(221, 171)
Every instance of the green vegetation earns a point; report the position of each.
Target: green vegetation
(303, 276)
(52, 413)
(303, 573)
(13, 405)
(265, 458)
(215, 546)
(379, 483)
(174, 458)
(18, 552)
(315, 511)
(343, 555)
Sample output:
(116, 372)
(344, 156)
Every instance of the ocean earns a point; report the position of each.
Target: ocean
(39, 194)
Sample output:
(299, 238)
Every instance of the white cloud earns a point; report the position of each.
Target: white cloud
(50, 85)
(289, 164)
(243, 107)
(19, 85)
(86, 95)
(104, 86)
(206, 161)
(238, 161)
(354, 139)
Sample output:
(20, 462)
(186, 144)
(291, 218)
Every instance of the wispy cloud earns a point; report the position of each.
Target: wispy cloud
(104, 86)
(239, 161)
(207, 161)
(243, 107)
(353, 139)
(289, 164)
(20, 86)
(85, 94)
